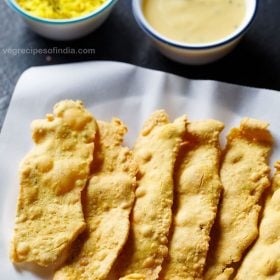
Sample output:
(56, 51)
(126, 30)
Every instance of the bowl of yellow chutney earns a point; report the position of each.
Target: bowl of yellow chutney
(63, 19)
(195, 31)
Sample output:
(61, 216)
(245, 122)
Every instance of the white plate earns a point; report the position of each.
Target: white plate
(113, 89)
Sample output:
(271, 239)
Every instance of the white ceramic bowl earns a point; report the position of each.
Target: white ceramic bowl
(68, 29)
(195, 54)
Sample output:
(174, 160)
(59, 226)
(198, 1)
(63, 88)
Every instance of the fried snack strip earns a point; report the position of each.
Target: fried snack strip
(107, 203)
(244, 175)
(155, 151)
(49, 211)
(197, 192)
(263, 260)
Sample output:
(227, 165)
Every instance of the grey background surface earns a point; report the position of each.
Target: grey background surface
(255, 62)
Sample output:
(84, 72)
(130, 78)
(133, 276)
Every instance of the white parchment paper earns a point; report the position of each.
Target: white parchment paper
(114, 89)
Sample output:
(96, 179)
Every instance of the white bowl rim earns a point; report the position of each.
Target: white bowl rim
(22, 12)
(143, 23)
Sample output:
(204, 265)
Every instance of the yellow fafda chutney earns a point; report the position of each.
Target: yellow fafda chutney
(60, 9)
(195, 21)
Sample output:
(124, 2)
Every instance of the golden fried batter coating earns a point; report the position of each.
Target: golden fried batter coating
(107, 203)
(134, 276)
(155, 151)
(197, 192)
(244, 175)
(263, 260)
(52, 176)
